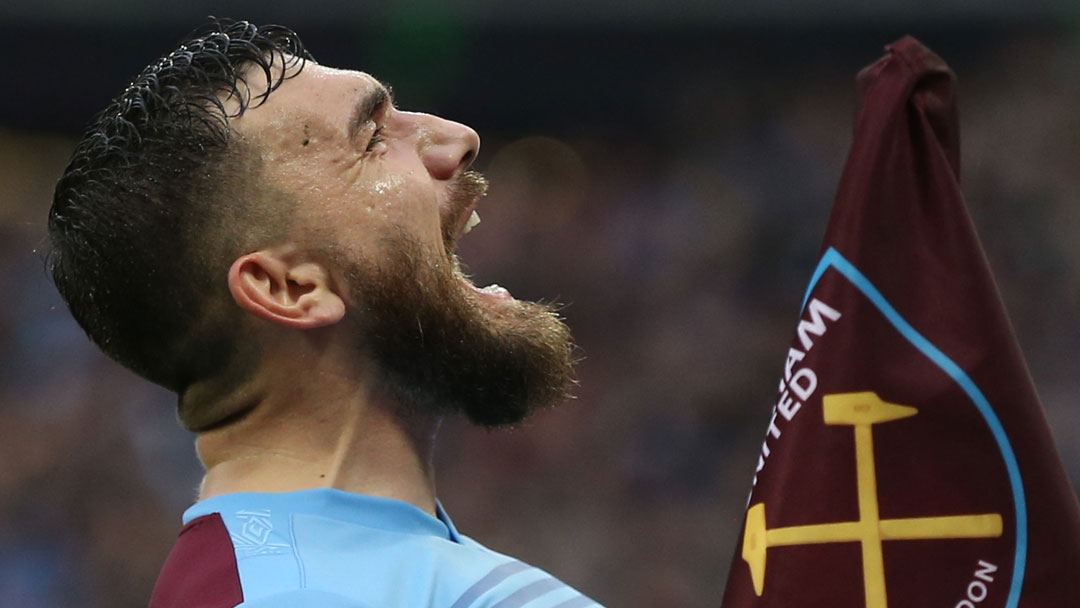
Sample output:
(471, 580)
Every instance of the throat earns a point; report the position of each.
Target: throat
(359, 449)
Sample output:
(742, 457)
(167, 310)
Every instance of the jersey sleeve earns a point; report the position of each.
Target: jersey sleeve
(303, 598)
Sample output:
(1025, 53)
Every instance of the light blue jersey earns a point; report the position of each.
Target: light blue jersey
(332, 549)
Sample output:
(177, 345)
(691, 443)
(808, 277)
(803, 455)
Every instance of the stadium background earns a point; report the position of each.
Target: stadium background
(664, 168)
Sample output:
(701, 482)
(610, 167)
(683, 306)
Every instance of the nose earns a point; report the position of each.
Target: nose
(449, 148)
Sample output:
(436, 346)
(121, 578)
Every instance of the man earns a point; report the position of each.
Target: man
(274, 240)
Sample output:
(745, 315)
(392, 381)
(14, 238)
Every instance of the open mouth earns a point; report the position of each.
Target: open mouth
(465, 196)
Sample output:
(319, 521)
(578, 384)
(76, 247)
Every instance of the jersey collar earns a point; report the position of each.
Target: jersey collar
(370, 511)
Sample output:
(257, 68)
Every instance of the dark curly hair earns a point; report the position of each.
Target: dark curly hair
(157, 202)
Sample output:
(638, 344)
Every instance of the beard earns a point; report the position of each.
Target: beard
(440, 347)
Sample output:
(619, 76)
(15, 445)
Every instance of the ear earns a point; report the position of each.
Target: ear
(268, 285)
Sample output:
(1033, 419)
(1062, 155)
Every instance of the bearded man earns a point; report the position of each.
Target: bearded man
(274, 241)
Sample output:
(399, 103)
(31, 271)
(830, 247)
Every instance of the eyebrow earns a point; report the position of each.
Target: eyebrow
(368, 104)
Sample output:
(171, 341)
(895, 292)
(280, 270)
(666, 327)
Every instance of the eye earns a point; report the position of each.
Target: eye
(376, 139)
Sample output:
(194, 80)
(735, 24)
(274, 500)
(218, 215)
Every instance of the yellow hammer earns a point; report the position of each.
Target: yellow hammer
(860, 410)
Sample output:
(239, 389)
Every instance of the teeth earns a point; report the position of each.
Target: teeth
(474, 219)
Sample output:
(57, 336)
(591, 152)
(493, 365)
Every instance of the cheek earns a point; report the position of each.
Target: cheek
(359, 213)
(306, 163)
(404, 197)
(353, 203)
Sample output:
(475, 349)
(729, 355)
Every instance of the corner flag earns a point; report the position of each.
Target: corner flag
(907, 462)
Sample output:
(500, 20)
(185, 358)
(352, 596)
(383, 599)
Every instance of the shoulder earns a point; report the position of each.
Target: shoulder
(304, 598)
(504, 581)
(336, 550)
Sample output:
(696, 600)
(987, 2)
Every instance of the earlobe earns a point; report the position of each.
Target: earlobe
(269, 286)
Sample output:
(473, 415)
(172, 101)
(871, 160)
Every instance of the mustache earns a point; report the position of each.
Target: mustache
(469, 187)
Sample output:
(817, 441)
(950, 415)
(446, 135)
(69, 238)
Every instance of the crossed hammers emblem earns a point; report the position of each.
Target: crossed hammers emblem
(862, 411)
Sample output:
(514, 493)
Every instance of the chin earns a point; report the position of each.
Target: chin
(444, 345)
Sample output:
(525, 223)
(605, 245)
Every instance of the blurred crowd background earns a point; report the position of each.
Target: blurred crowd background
(664, 169)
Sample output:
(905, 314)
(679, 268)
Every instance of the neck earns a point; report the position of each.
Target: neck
(329, 432)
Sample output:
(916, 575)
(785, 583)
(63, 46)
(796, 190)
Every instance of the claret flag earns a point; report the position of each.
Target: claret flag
(907, 463)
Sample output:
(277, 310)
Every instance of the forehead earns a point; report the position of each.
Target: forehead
(317, 92)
